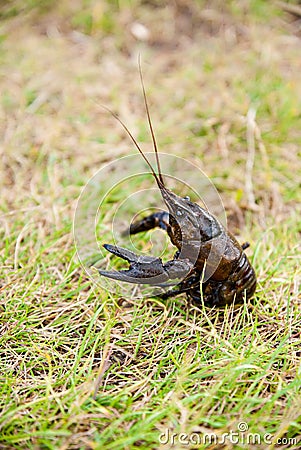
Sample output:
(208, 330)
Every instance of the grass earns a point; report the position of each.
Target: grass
(86, 368)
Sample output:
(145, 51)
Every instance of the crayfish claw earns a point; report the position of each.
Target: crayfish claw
(121, 275)
(142, 270)
(122, 252)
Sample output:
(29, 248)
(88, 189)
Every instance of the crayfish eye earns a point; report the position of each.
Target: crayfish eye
(187, 198)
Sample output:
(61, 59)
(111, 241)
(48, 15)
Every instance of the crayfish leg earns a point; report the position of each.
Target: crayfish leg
(189, 286)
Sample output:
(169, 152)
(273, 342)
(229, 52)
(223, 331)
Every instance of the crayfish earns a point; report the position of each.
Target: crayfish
(209, 262)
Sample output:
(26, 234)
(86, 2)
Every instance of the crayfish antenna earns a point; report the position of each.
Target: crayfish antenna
(150, 123)
(158, 180)
(158, 177)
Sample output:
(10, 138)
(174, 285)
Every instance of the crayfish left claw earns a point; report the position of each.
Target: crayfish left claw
(122, 252)
(143, 269)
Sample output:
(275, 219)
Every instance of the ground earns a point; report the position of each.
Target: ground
(82, 367)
